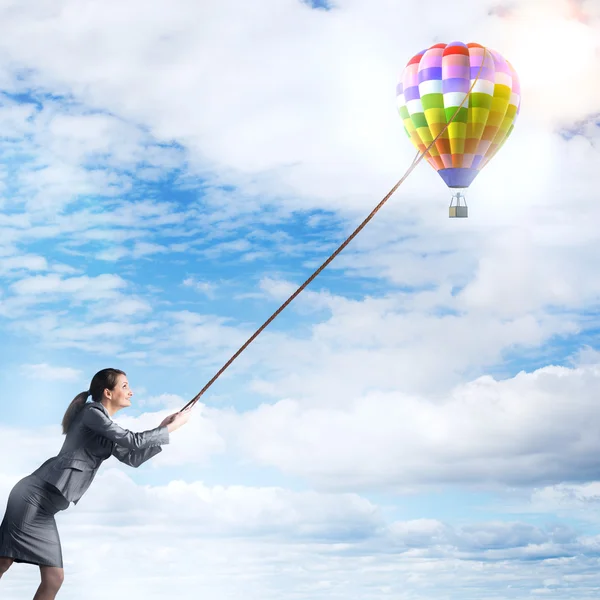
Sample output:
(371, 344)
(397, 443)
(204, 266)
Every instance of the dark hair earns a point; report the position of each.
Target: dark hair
(102, 380)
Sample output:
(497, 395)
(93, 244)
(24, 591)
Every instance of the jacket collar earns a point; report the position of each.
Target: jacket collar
(101, 407)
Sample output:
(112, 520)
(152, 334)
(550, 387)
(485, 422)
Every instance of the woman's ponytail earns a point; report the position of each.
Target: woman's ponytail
(76, 405)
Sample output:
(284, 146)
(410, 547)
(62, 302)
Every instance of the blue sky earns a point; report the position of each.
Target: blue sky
(421, 422)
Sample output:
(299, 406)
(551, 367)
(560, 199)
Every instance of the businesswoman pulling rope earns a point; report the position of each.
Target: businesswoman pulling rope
(28, 532)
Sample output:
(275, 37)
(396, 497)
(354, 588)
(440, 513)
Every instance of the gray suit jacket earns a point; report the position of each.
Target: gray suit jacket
(92, 438)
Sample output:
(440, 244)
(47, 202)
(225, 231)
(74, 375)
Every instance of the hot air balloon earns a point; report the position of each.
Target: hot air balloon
(433, 86)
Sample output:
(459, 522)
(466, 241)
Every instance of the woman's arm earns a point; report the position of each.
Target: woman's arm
(97, 421)
(134, 458)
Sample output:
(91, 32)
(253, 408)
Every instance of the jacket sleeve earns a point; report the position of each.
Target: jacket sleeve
(134, 458)
(97, 421)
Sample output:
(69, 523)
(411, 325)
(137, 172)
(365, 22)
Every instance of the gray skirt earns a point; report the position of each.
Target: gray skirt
(28, 533)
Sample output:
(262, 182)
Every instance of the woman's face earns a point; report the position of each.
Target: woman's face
(120, 396)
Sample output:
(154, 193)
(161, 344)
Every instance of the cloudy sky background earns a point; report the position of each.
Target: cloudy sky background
(422, 423)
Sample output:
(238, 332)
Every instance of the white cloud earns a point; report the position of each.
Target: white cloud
(227, 541)
(124, 307)
(204, 287)
(171, 402)
(209, 338)
(23, 262)
(533, 428)
(142, 249)
(46, 372)
(568, 496)
(113, 254)
(420, 342)
(37, 445)
(84, 287)
(236, 510)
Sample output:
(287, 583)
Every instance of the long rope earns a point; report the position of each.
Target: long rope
(415, 162)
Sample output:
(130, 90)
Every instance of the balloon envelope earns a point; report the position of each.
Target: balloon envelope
(432, 87)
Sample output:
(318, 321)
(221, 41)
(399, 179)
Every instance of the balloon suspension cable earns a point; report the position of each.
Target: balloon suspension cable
(418, 158)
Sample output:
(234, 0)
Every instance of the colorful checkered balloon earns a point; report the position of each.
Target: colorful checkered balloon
(432, 87)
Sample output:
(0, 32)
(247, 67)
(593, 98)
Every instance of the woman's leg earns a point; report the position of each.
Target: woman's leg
(5, 563)
(52, 578)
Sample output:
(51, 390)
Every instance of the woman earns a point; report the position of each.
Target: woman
(28, 532)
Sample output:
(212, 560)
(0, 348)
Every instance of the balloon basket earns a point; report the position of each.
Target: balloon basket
(458, 211)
